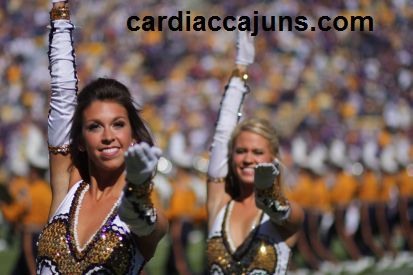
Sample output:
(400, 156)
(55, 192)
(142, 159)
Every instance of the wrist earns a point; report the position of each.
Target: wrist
(240, 73)
(274, 203)
(146, 212)
(279, 213)
(62, 149)
(139, 215)
(138, 191)
(60, 11)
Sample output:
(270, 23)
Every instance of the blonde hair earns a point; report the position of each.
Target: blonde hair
(257, 126)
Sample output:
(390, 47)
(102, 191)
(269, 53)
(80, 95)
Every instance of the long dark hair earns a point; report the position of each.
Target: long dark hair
(103, 89)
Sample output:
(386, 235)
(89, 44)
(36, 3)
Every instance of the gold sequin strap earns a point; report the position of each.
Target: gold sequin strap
(273, 192)
(63, 149)
(140, 191)
(241, 75)
(216, 180)
(60, 13)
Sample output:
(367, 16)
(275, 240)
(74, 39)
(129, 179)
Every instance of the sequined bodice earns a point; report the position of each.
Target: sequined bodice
(110, 251)
(262, 252)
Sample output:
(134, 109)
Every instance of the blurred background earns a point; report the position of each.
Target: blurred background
(341, 101)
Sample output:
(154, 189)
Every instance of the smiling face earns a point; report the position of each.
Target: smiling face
(249, 150)
(107, 135)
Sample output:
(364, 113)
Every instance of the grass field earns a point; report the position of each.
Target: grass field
(7, 259)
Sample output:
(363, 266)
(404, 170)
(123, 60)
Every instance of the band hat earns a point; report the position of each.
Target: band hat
(17, 162)
(388, 161)
(314, 160)
(36, 148)
(299, 152)
(369, 155)
(402, 151)
(317, 160)
(337, 154)
(177, 151)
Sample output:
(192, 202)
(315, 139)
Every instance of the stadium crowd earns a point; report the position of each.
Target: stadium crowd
(341, 101)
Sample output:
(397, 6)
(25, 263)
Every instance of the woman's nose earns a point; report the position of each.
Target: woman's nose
(107, 137)
(248, 158)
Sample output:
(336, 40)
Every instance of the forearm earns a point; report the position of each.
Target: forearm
(228, 117)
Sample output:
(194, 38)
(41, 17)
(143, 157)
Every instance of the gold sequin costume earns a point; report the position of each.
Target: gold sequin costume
(262, 252)
(111, 250)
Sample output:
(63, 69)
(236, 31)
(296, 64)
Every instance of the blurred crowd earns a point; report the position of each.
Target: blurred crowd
(341, 101)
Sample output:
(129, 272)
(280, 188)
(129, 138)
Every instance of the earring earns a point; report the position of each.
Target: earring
(132, 143)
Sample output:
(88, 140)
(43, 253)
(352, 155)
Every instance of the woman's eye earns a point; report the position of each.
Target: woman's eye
(93, 126)
(239, 151)
(119, 124)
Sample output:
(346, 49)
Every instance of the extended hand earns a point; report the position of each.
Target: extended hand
(141, 161)
(268, 194)
(266, 174)
(245, 48)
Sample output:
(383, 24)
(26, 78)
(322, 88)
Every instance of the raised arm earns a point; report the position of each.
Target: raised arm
(227, 120)
(62, 99)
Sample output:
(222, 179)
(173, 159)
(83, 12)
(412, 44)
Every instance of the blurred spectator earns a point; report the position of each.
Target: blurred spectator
(31, 198)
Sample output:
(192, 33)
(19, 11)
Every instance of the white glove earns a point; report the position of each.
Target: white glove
(268, 195)
(63, 97)
(141, 161)
(245, 48)
(265, 174)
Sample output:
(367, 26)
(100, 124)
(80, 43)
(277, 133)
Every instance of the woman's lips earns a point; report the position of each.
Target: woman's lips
(109, 152)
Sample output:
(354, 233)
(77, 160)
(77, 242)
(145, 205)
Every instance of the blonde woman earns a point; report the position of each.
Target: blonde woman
(251, 223)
